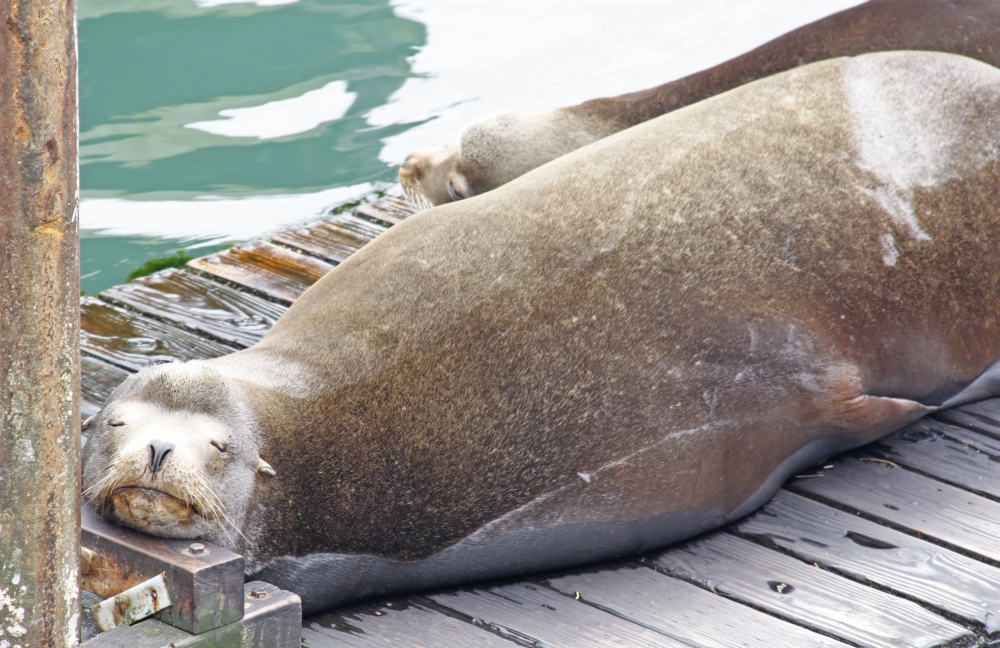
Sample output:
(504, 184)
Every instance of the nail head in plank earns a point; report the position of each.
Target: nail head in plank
(957, 456)
(912, 502)
(805, 594)
(200, 304)
(206, 587)
(97, 380)
(265, 267)
(131, 341)
(334, 239)
(535, 613)
(867, 551)
(400, 623)
(685, 611)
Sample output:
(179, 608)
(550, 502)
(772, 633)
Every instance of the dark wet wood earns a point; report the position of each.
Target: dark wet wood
(401, 623)
(97, 380)
(869, 552)
(682, 610)
(334, 239)
(911, 502)
(200, 304)
(951, 454)
(532, 613)
(983, 416)
(390, 211)
(133, 342)
(805, 594)
(273, 270)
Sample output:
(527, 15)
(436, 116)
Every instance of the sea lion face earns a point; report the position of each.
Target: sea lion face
(175, 472)
(434, 177)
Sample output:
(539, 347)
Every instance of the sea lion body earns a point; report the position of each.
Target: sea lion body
(499, 147)
(628, 346)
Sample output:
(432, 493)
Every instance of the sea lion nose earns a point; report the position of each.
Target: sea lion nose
(158, 451)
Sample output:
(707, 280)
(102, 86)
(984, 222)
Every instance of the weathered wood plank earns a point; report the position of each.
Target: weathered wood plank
(681, 610)
(199, 304)
(805, 594)
(532, 613)
(912, 502)
(97, 380)
(399, 623)
(873, 553)
(133, 342)
(983, 416)
(954, 455)
(389, 210)
(273, 270)
(334, 239)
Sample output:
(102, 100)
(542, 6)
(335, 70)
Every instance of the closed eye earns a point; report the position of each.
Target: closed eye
(116, 423)
(454, 193)
(221, 446)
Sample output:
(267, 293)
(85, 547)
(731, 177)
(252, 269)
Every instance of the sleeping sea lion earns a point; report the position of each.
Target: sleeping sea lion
(628, 346)
(502, 146)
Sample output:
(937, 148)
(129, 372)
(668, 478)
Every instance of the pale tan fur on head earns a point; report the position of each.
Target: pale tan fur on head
(496, 149)
(173, 454)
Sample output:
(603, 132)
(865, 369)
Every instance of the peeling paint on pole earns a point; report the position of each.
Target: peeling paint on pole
(39, 325)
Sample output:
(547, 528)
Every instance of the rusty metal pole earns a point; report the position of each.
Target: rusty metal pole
(39, 326)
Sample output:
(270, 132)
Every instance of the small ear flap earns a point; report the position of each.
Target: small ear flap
(265, 468)
(86, 424)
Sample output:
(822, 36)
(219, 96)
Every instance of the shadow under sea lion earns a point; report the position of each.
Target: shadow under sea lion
(502, 146)
(626, 347)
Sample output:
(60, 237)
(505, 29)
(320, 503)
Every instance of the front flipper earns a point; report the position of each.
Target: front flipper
(985, 386)
(873, 417)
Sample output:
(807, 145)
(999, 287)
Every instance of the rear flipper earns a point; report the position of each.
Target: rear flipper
(985, 386)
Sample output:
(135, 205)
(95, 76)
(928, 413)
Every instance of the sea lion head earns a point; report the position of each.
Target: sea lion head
(173, 453)
(496, 149)
(432, 178)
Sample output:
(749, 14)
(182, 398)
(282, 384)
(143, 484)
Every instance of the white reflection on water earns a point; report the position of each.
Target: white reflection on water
(217, 219)
(286, 117)
(481, 56)
(259, 3)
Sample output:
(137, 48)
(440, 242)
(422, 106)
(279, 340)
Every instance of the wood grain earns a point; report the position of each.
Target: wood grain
(945, 452)
(97, 380)
(983, 416)
(911, 502)
(805, 594)
(399, 623)
(133, 342)
(532, 613)
(682, 610)
(334, 239)
(273, 270)
(388, 210)
(873, 553)
(199, 304)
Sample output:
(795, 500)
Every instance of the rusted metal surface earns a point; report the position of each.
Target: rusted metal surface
(273, 270)
(121, 338)
(39, 325)
(273, 619)
(205, 582)
(334, 239)
(132, 605)
(200, 305)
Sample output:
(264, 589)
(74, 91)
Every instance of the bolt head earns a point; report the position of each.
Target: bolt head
(196, 548)
(258, 593)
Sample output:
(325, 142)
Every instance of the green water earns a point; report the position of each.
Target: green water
(148, 67)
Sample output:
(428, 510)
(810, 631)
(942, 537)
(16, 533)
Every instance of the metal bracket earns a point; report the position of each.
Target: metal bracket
(205, 582)
(273, 619)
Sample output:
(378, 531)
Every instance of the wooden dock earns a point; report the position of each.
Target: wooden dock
(893, 545)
